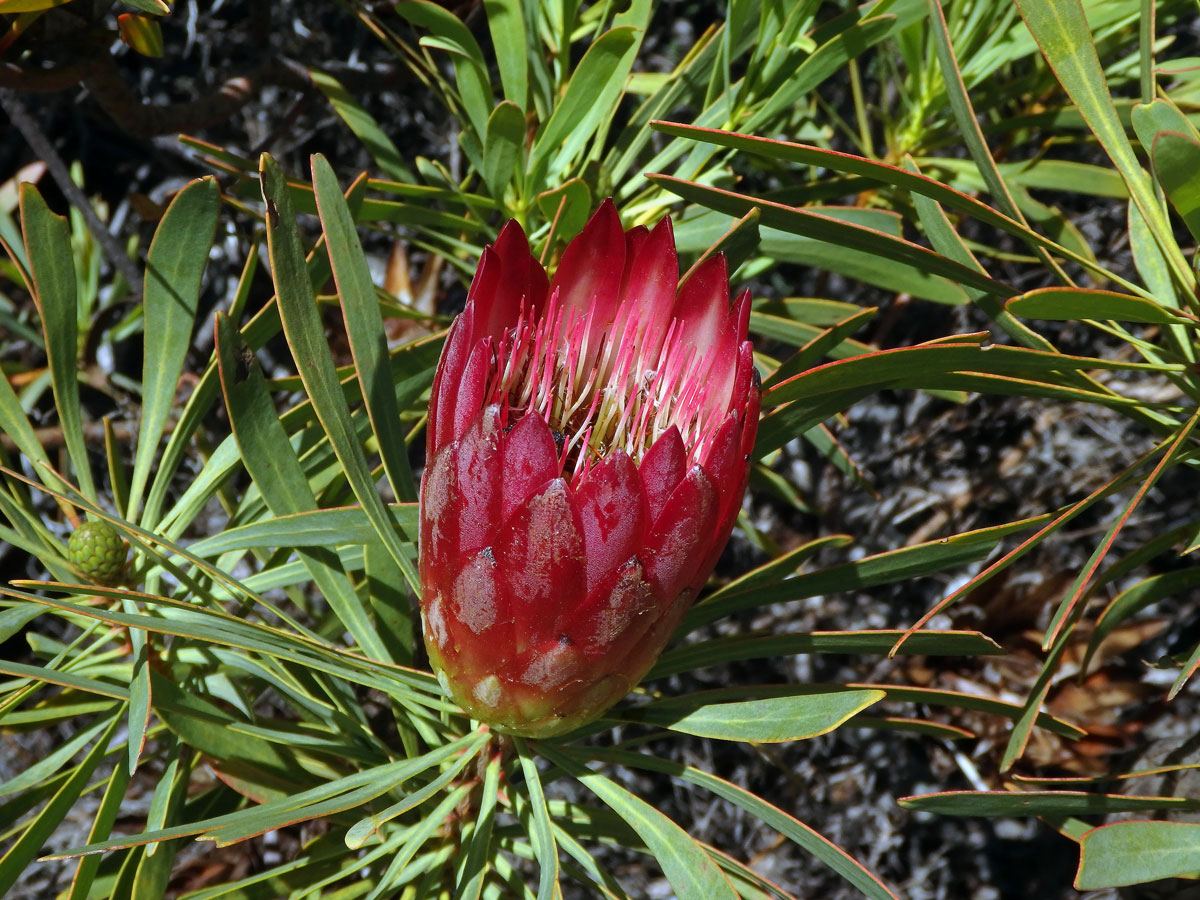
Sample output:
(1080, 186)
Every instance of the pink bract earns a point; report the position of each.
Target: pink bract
(587, 444)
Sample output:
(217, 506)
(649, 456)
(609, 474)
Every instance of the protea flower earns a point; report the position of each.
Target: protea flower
(587, 441)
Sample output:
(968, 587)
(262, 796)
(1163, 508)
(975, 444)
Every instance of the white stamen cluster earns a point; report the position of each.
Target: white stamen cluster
(599, 390)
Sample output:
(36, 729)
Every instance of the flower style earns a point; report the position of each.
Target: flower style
(588, 439)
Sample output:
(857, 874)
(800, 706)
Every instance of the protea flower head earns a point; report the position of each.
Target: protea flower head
(587, 442)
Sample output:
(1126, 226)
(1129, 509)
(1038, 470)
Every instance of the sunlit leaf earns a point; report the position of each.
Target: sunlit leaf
(174, 268)
(1064, 304)
(302, 325)
(771, 719)
(51, 265)
(142, 33)
(1135, 852)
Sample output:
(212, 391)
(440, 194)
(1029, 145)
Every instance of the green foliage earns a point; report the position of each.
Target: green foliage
(301, 593)
(1067, 41)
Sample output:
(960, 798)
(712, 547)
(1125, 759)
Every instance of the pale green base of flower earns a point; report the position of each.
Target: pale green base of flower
(527, 712)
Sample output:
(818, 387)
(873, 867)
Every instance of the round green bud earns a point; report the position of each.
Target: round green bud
(98, 552)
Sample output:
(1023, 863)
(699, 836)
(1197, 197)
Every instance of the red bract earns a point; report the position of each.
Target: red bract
(588, 440)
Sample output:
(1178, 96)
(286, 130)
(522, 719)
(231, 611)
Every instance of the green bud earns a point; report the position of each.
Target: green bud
(98, 552)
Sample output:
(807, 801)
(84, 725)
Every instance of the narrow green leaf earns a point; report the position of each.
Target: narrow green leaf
(149, 543)
(204, 395)
(389, 599)
(862, 265)
(470, 69)
(968, 126)
(1159, 115)
(913, 726)
(771, 719)
(332, 796)
(1176, 160)
(604, 882)
(687, 79)
(691, 872)
(1064, 304)
(742, 647)
(805, 223)
(588, 102)
(1023, 725)
(1146, 28)
(748, 883)
(106, 817)
(46, 767)
(358, 833)
(541, 835)
(830, 56)
(870, 571)
(1152, 265)
(208, 728)
(1039, 803)
(479, 850)
(140, 700)
(738, 243)
(1075, 592)
(898, 694)
(506, 24)
(25, 849)
(306, 337)
(1041, 173)
(784, 565)
(923, 361)
(566, 207)
(918, 184)
(814, 396)
(946, 241)
(221, 629)
(174, 268)
(52, 267)
(163, 799)
(414, 839)
(1126, 853)
(794, 830)
(322, 527)
(273, 464)
(1050, 523)
(364, 327)
(502, 146)
(15, 424)
(15, 619)
(832, 342)
(1189, 669)
(1061, 31)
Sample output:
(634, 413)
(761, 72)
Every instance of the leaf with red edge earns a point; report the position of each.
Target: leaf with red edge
(1062, 304)
(791, 828)
(1039, 803)
(795, 220)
